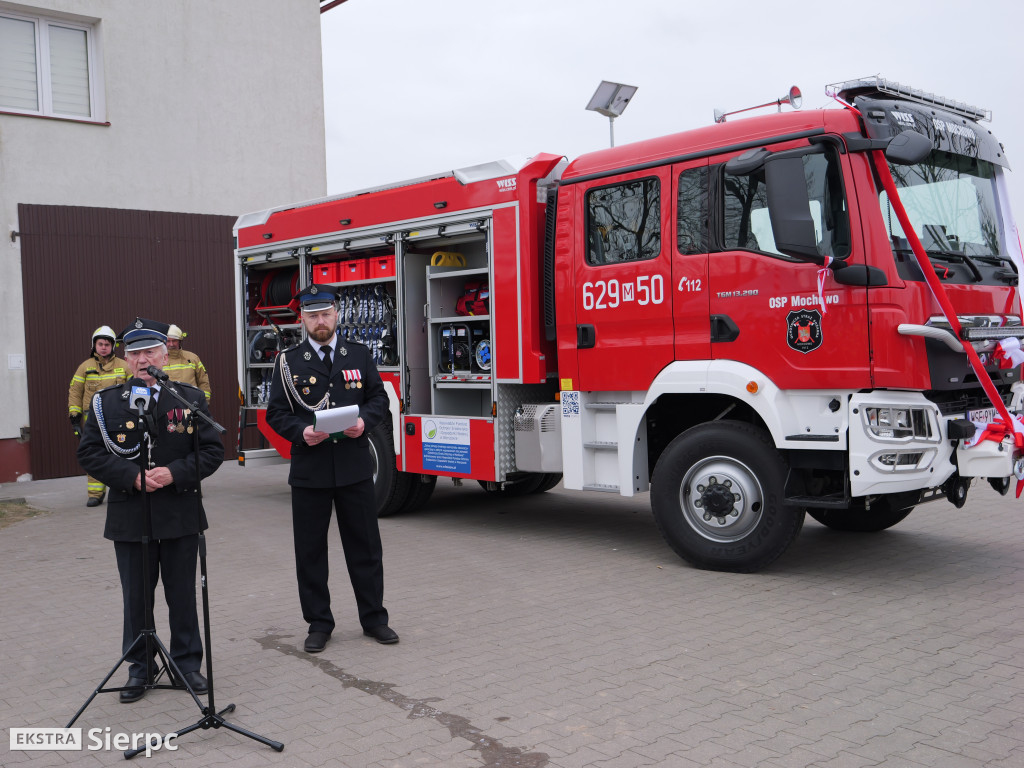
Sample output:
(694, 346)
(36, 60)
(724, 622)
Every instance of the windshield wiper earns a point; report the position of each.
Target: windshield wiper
(944, 273)
(957, 258)
(997, 260)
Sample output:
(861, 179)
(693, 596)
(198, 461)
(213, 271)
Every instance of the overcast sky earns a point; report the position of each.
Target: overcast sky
(413, 87)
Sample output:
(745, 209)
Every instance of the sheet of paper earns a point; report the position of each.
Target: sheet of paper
(335, 420)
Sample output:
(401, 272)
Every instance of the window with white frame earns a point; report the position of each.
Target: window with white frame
(48, 67)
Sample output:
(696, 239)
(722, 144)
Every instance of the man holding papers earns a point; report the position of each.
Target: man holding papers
(325, 397)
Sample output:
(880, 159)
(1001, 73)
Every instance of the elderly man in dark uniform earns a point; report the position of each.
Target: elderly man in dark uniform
(111, 443)
(320, 373)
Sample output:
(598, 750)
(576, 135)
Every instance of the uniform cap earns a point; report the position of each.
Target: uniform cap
(144, 334)
(317, 297)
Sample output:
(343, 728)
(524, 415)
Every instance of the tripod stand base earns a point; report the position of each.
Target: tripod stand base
(155, 647)
(215, 720)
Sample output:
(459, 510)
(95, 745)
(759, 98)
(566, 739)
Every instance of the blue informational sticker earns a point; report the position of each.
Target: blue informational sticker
(446, 445)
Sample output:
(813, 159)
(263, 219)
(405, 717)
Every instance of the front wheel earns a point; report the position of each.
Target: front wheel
(717, 495)
(884, 513)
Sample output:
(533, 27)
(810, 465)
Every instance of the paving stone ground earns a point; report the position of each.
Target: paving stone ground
(554, 631)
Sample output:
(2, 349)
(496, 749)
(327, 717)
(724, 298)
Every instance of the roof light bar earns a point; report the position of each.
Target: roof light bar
(911, 94)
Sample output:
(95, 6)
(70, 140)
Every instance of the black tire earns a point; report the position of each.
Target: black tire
(884, 513)
(516, 487)
(550, 480)
(390, 486)
(419, 493)
(726, 467)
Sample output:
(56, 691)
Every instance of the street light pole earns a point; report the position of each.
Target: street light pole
(610, 99)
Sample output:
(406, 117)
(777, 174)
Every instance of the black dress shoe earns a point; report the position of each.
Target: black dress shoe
(135, 687)
(93, 502)
(197, 681)
(316, 642)
(382, 633)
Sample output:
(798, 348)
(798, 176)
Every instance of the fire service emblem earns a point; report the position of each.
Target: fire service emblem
(803, 330)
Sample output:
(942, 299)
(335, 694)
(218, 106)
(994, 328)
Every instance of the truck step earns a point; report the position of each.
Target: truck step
(260, 457)
(600, 406)
(602, 445)
(602, 487)
(823, 502)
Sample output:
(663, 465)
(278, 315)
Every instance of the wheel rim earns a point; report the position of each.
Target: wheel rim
(721, 499)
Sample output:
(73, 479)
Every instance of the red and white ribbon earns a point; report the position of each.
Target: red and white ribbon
(1008, 353)
(823, 274)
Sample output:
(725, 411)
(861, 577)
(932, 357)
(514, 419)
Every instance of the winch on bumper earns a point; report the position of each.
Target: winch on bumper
(986, 458)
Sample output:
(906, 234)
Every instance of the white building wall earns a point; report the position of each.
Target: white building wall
(213, 107)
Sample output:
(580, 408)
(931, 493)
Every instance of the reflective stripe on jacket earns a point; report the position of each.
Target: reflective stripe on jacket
(187, 368)
(93, 375)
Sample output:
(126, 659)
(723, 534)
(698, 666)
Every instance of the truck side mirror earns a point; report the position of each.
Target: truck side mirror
(789, 208)
(908, 148)
(749, 162)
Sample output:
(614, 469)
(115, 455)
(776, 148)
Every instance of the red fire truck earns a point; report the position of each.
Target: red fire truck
(797, 313)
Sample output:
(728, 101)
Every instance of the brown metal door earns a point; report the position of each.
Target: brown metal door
(87, 267)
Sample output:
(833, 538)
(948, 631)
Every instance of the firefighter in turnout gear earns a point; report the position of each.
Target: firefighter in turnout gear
(100, 371)
(183, 366)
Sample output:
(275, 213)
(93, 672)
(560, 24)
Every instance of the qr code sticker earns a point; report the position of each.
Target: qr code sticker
(570, 404)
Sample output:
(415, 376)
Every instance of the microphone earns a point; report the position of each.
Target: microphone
(140, 395)
(156, 373)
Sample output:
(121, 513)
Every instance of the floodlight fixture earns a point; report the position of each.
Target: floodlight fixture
(611, 99)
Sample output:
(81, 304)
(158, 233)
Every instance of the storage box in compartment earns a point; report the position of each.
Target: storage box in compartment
(380, 267)
(327, 273)
(353, 269)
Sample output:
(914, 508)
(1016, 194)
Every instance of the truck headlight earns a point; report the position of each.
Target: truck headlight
(897, 423)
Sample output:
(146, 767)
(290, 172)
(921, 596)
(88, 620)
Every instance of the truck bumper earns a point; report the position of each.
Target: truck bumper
(897, 443)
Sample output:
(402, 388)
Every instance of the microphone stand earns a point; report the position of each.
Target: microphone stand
(211, 717)
(147, 635)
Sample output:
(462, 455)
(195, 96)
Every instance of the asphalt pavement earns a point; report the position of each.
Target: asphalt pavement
(557, 630)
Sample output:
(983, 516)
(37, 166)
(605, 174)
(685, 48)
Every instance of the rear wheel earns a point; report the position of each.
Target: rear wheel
(390, 486)
(551, 479)
(884, 513)
(717, 496)
(419, 493)
(519, 486)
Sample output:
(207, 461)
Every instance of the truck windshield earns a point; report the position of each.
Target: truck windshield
(951, 202)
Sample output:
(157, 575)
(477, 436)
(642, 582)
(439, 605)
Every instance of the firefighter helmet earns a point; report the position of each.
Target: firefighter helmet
(174, 332)
(103, 332)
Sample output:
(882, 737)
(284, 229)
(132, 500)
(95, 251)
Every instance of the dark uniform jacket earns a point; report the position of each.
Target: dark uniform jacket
(334, 462)
(176, 510)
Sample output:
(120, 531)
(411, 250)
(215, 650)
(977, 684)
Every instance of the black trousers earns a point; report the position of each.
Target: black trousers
(174, 562)
(360, 539)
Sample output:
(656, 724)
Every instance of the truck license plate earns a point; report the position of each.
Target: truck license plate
(983, 415)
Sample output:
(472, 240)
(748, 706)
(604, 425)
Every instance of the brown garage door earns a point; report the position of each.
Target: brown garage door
(87, 267)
